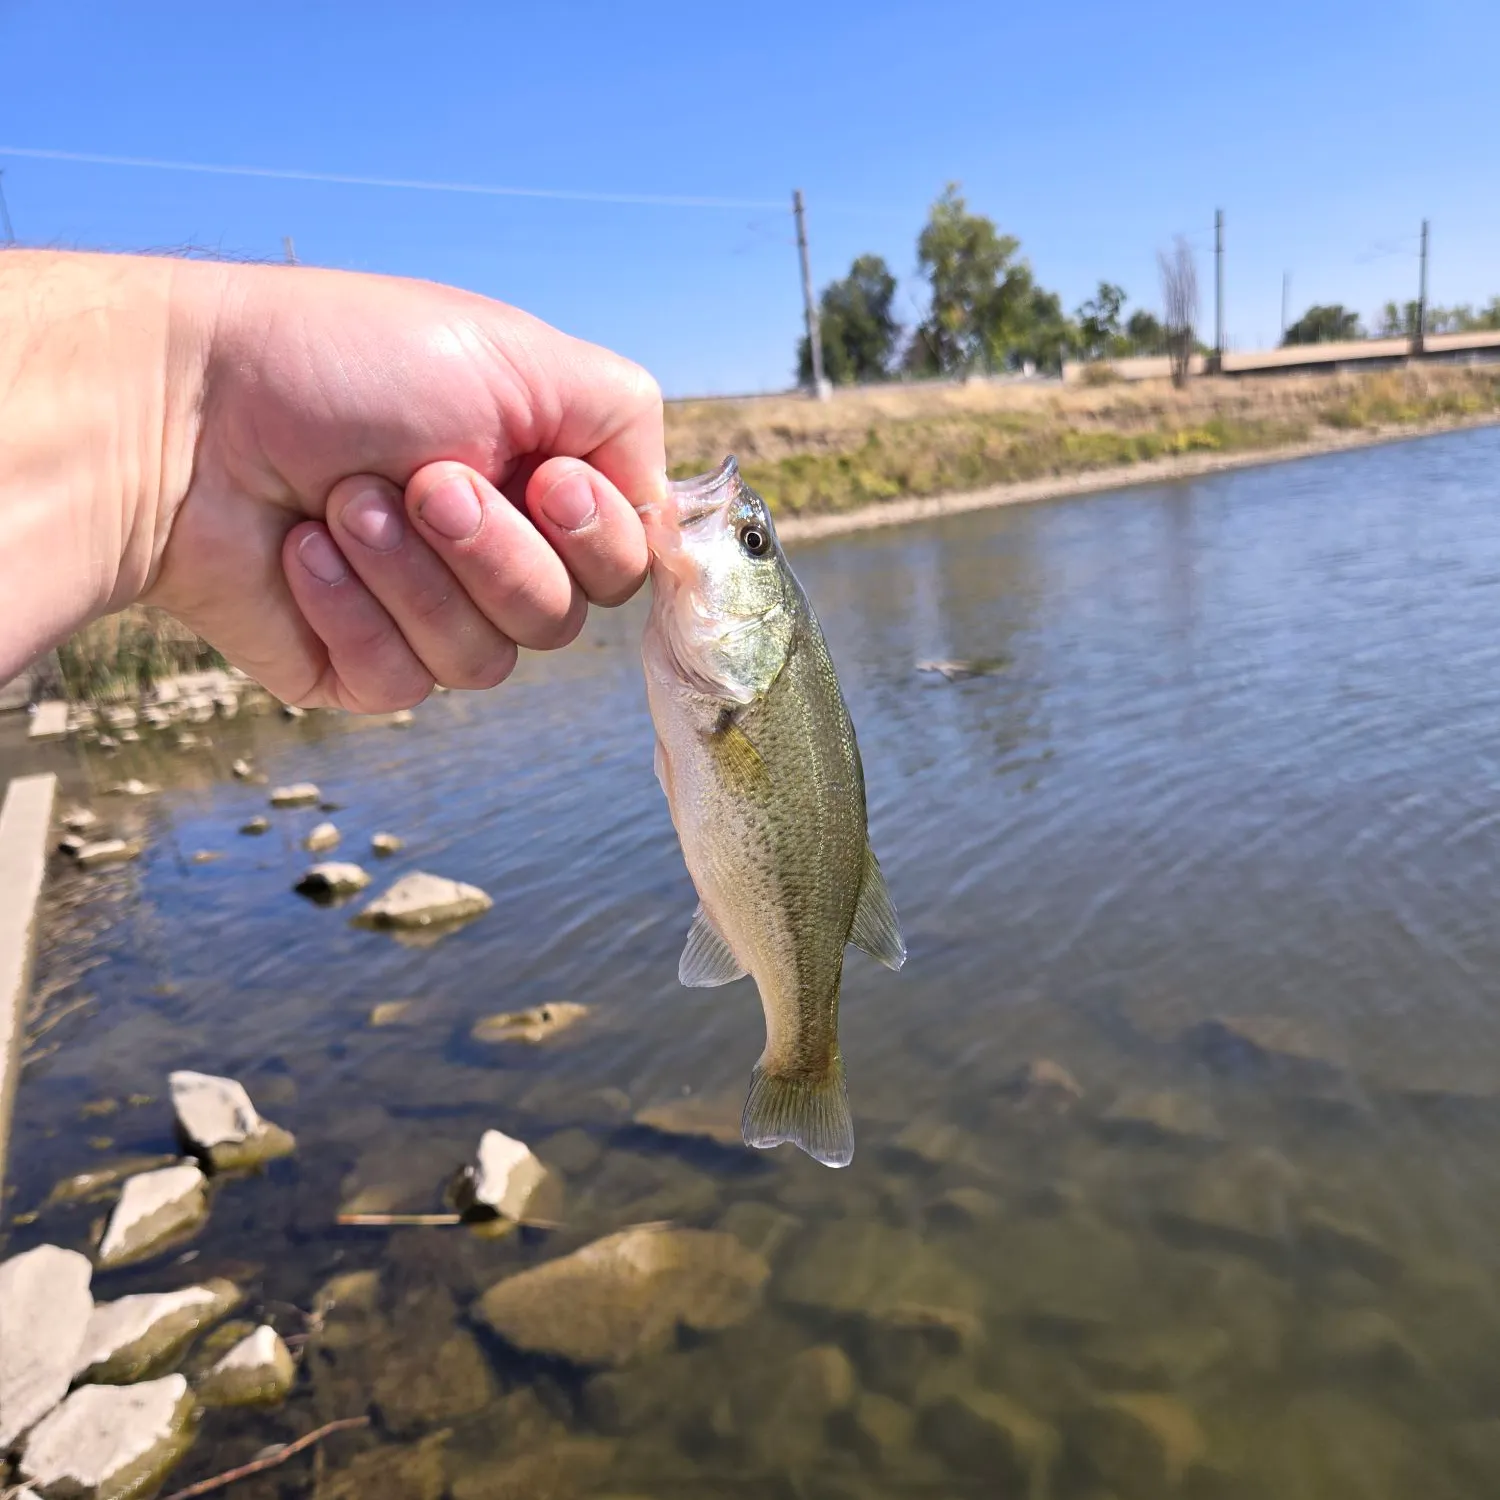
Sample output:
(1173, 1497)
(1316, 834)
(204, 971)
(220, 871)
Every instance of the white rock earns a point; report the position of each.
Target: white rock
(80, 820)
(153, 1207)
(129, 737)
(324, 836)
(504, 1176)
(258, 1369)
(131, 788)
(109, 1440)
(216, 1116)
(157, 718)
(44, 1315)
(291, 711)
(166, 690)
(241, 770)
(198, 709)
(108, 851)
(333, 878)
(300, 794)
(50, 721)
(227, 704)
(120, 716)
(402, 717)
(386, 843)
(127, 1335)
(418, 900)
(71, 844)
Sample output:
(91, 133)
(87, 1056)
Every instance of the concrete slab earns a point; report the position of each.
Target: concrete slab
(50, 721)
(25, 827)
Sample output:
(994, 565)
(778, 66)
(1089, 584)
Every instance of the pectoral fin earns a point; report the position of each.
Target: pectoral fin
(739, 762)
(706, 959)
(876, 929)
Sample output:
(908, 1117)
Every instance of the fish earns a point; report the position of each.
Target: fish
(757, 756)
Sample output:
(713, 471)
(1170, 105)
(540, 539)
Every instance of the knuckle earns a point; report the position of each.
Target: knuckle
(480, 673)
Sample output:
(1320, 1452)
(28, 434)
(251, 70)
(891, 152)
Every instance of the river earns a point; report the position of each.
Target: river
(1217, 833)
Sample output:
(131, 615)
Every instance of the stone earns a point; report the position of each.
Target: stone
(391, 1013)
(1355, 1343)
(131, 788)
(1142, 1445)
(386, 843)
(1234, 1044)
(108, 852)
(129, 1337)
(45, 1308)
(759, 1226)
(931, 1143)
(129, 737)
(961, 671)
(70, 844)
(217, 1119)
(110, 1442)
(257, 824)
(716, 1120)
(80, 820)
(564, 1470)
(964, 1208)
(530, 1026)
(1041, 1087)
(572, 1151)
(119, 716)
(992, 1438)
(154, 1208)
(431, 1379)
(401, 718)
(258, 1371)
(332, 878)
(1161, 1116)
(299, 794)
(877, 1428)
(292, 711)
(198, 708)
(819, 1381)
(324, 836)
(108, 743)
(185, 739)
(1245, 1202)
(50, 721)
(241, 769)
(393, 1471)
(226, 704)
(156, 718)
(504, 1177)
(625, 1296)
(421, 900)
(91, 1183)
(1165, 1358)
(1340, 1241)
(206, 856)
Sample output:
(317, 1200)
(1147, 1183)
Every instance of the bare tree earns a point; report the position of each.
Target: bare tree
(1179, 296)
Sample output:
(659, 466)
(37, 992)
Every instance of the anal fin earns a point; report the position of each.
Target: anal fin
(706, 959)
(876, 929)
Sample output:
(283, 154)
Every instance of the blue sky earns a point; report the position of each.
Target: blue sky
(1093, 131)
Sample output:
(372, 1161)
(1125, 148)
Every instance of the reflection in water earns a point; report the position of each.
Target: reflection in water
(1219, 841)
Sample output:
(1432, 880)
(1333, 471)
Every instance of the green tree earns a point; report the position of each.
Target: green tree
(1099, 333)
(1144, 334)
(858, 325)
(1398, 322)
(1324, 324)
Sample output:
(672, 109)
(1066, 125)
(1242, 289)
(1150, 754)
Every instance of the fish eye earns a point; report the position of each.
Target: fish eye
(755, 539)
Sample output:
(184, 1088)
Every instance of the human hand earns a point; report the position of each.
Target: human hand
(395, 484)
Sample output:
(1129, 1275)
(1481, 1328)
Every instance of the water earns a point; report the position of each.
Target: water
(1240, 761)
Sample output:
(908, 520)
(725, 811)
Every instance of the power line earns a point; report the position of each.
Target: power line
(409, 184)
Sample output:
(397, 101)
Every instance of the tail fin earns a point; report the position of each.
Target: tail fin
(810, 1111)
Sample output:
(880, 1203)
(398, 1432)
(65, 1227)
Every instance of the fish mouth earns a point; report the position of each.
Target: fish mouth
(703, 494)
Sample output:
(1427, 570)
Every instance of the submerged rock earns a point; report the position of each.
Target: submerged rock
(391, 1013)
(531, 1026)
(324, 836)
(1356, 1343)
(431, 1375)
(241, 770)
(131, 788)
(100, 1179)
(961, 671)
(759, 1226)
(1041, 1087)
(218, 1120)
(572, 1466)
(154, 1208)
(332, 878)
(257, 824)
(256, 1372)
(1142, 1445)
(401, 718)
(386, 843)
(993, 1438)
(80, 819)
(1264, 1043)
(1162, 1115)
(1244, 1203)
(126, 1338)
(108, 852)
(299, 794)
(505, 1177)
(109, 1442)
(393, 1471)
(625, 1296)
(877, 1428)
(716, 1120)
(421, 900)
(44, 1316)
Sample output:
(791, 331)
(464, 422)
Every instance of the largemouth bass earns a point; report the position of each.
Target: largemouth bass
(756, 753)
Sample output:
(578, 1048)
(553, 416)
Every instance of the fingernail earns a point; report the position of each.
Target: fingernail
(321, 558)
(374, 520)
(452, 510)
(570, 502)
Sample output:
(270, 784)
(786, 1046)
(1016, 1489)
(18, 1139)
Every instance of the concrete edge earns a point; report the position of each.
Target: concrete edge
(25, 832)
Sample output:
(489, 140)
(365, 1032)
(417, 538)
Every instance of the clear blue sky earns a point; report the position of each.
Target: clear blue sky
(1093, 131)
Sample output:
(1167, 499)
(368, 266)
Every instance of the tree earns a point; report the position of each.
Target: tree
(859, 328)
(1398, 322)
(1322, 324)
(1179, 295)
(1099, 322)
(1144, 334)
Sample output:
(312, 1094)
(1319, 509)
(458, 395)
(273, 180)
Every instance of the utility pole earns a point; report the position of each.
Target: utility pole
(1286, 292)
(289, 250)
(10, 233)
(1419, 340)
(820, 386)
(1218, 291)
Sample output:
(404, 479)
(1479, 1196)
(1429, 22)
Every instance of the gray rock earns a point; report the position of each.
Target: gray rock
(299, 794)
(130, 1336)
(759, 1226)
(110, 1442)
(154, 1209)
(505, 1177)
(332, 878)
(625, 1296)
(257, 824)
(993, 1438)
(421, 900)
(1143, 1445)
(44, 1314)
(258, 1371)
(1161, 1115)
(218, 1120)
(529, 1026)
(324, 836)
(386, 843)
(108, 852)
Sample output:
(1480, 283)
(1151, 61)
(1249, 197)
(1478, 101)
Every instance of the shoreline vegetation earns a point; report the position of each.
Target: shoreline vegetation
(889, 454)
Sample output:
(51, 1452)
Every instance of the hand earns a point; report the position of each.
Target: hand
(396, 484)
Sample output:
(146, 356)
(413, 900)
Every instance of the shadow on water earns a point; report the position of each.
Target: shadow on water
(1217, 842)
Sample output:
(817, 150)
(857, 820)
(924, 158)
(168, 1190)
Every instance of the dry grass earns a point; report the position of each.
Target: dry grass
(119, 655)
(866, 446)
